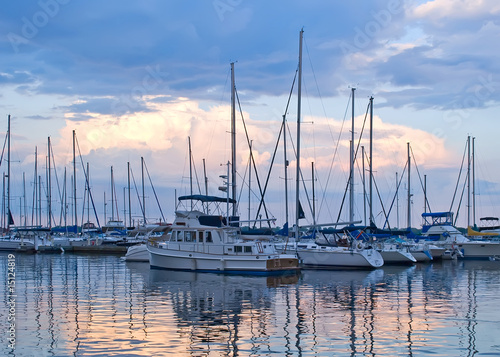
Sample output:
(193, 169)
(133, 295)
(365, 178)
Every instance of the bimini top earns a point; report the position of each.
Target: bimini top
(436, 219)
(437, 214)
(204, 198)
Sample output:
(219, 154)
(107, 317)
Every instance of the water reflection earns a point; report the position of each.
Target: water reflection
(99, 305)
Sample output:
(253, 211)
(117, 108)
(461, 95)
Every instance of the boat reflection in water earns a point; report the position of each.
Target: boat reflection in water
(100, 305)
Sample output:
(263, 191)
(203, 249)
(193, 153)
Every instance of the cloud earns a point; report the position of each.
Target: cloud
(437, 10)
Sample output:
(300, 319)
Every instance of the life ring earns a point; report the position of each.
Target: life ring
(359, 246)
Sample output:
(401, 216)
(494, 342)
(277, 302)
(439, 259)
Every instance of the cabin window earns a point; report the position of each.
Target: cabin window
(200, 237)
(248, 249)
(208, 237)
(190, 236)
(238, 249)
(180, 236)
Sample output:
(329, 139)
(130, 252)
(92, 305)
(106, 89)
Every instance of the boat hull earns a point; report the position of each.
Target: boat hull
(16, 244)
(137, 253)
(479, 250)
(340, 258)
(163, 258)
(397, 257)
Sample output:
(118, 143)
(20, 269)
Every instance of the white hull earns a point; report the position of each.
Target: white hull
(421, 255)
(15, 244)
(341, 257)
(397, 257)
(479, 250)
(137, 253)
(165, 258)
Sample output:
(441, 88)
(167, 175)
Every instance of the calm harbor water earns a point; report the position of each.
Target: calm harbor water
(99, 305)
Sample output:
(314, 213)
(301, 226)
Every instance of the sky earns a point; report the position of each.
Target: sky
(150, 79)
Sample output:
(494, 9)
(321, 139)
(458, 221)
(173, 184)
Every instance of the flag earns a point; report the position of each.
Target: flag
(11, 220)
(301, 212)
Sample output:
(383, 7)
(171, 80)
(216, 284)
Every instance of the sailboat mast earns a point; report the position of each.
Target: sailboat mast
(286, 169)
(190, 170)
(206, 183)
(35, 190)
(473, 184)
(299, 95)
(112, 196)
(425, 193)
(409, 182)
(371, 161)
(24, 199)
(351, 164)
(65, 202)
(88, 194)
(397, 201)
(49, 186)
(233, 137)
(74, 180)
(129, 202)
(313, 196)
(8, 175)
(249, 181)
(468, 181)
(143, 193)
(364, 183)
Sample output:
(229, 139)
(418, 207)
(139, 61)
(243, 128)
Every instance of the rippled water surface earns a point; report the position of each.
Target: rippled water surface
(98, 305)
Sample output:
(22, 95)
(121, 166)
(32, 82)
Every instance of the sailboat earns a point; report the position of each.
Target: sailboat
(313, 250)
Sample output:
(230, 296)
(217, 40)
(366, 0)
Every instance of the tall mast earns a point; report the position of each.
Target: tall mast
(65, 202)
(129, 203)
(233, 137)
(313, 196)
(397, 201)
(299, 94)
(409, 182)
(74, 180)
(35, 190)
(425, 193)
(105, 204)
(24, 199)
(249, 180)
(364, 185)
(371, 160)
(468, 181)
(8, 175)
(206, 183)
(49, 185)
(40, 199)
(286, 169)
(473, 185)
(190, 171)
(112, 196)
(351, 164)
(143, 193)
(88, 194)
